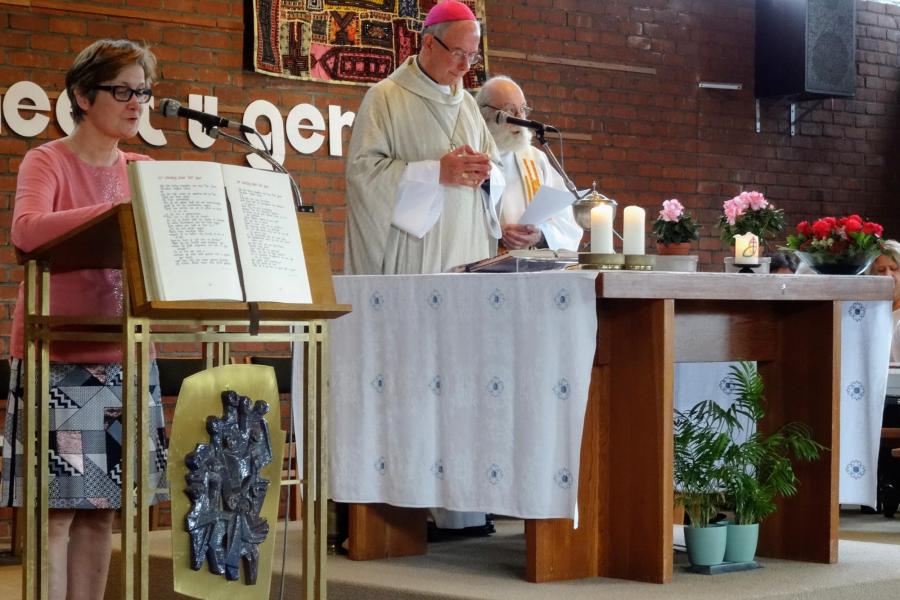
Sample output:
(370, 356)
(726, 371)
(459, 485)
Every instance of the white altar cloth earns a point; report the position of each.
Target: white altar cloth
(468, 391)
(465, 392)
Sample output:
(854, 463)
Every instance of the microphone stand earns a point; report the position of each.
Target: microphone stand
(541, 134)
(215, 133)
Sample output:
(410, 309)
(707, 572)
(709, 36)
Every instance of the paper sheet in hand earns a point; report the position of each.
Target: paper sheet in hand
(547, 202)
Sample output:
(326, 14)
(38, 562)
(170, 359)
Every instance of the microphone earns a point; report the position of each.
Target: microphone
(506, 118)
(173, 108)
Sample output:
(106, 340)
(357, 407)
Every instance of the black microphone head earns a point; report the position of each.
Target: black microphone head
(169, 107)
(502, 116)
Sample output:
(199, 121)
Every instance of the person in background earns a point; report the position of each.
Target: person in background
(525, 169)
(783, 263)
(889, 264)
(61, 185)
(419, 152)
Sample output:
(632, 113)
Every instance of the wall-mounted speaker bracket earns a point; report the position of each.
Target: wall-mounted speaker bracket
(793, 119)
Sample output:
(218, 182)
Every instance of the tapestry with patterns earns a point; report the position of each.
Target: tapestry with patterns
(344, 41)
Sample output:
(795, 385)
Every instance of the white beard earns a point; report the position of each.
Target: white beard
(509, 139)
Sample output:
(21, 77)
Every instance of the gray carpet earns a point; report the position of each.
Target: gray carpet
(492, 569)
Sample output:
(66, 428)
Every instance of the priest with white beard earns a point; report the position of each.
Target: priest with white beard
(525, 169)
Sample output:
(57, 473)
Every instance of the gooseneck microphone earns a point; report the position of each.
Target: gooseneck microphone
(506, 118)
(173, 108)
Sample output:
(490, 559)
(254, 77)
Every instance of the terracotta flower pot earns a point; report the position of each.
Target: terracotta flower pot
(679, 249)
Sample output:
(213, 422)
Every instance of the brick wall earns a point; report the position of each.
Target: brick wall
(619, 77)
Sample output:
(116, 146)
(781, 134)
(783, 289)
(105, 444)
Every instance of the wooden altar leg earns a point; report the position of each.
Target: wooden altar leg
(803, 384)
(384, 531)
(636, 529)
(554, 550)
(625, 483)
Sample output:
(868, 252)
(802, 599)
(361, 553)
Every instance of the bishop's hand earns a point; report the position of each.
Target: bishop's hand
(464, 166)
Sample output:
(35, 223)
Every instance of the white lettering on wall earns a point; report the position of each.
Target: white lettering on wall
(208, 104)
(305, 128)
(64, 114)
(305, 117)
(150, 134)
(26, 96)
(336, 123)
(274, 140)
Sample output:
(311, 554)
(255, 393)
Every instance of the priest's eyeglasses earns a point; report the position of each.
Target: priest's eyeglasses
(473, 58)
(516, 111)
(123, 93)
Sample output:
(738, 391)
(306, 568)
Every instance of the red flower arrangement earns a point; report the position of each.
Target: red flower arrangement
(845, 245)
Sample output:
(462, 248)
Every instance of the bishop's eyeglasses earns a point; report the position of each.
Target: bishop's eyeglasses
(472, 58)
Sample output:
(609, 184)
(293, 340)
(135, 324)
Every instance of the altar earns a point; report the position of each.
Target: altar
(549, 396)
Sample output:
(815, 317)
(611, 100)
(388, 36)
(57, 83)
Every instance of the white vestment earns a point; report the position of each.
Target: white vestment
(400, 218)
(526, 170)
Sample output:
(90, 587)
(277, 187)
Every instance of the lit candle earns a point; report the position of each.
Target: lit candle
(601, 230)
(746, 249)
(633, 230)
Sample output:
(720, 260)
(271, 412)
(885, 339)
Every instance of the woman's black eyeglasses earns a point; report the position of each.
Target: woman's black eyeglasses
(123, 93)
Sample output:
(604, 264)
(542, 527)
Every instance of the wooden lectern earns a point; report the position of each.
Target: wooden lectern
(109, 241)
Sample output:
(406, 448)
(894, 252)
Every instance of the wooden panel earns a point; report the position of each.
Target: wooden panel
(637, 527)
(554, 550)
(125, 13)
(890, 433)
(738, 286)
(709, 331)
(574, 62)
(803, 385)
(94, 244)
(384, 531)
(318, 262)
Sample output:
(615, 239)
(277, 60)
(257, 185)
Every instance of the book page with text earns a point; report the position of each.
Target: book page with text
(185, 214)
(268, 239)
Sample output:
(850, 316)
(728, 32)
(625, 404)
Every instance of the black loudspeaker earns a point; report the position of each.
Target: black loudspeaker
(805, 49)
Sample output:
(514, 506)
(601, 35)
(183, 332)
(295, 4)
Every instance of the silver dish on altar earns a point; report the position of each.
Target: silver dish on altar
(582, 207)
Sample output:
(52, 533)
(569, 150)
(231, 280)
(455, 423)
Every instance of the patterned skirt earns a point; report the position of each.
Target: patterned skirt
(85, 437)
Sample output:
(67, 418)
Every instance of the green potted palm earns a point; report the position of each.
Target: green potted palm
(755, 467)
(700, 444)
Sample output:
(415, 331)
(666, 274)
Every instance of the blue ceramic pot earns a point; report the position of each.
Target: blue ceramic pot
(740, 545)
(705, 545)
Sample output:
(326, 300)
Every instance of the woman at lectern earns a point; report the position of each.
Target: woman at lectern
(889, 264)
(61, 185)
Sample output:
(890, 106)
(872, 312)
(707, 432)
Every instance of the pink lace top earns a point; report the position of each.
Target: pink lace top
(55, 192)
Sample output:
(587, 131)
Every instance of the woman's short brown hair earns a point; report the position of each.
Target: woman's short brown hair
(101, 61)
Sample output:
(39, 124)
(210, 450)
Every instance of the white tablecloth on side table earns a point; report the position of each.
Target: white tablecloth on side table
(465, 392)
(865, 346)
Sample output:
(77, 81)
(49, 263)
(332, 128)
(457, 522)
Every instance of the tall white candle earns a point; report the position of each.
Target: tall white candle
(746, 249)
(633, 230)
(601, 230)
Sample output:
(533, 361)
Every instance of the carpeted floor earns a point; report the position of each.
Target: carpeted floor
(492, 568)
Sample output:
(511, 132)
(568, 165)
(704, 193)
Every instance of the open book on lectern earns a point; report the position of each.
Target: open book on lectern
(209, 231)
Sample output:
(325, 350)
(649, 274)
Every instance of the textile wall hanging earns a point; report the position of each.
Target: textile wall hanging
(344, 41)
